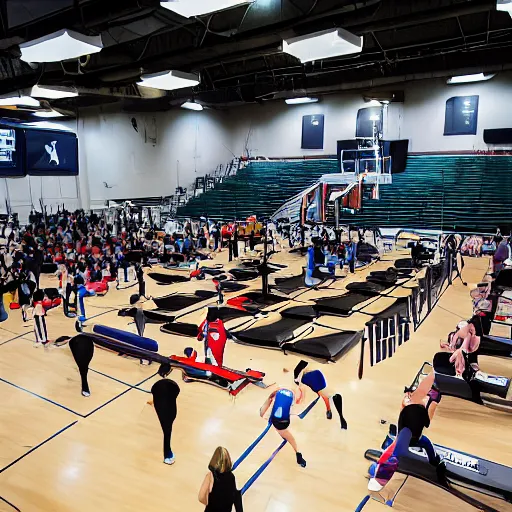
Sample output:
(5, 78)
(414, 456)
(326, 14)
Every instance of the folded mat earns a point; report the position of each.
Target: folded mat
(177, 301)
(271, 335)
(168, 278)
(342, 305)
(329, 347)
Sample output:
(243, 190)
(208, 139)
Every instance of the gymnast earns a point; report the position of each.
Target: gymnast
(315, 380)
(418, 409)
(165, 392)
(82, 292)
(214, 335)
(39, 314)
(466, 340)
(283, 400)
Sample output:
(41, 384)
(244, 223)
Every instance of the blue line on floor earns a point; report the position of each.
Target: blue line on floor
(120, 395)
(361, 505)
(251, 448)
(264, 466)
(43, 398)
(12, 339)
(120, 381)
(10, 504)
(38, 446)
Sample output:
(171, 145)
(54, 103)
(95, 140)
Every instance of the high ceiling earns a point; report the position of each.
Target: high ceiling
(238, 51)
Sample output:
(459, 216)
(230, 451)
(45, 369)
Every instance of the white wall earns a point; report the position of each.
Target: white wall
(189, 144)
(424, 109)
(274, 129)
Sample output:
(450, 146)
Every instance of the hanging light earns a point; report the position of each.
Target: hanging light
(300, 101)
(11, 100)
(39, 91)
(466, 79)
(62, 45)
(190, 8)
(170, 80)
(48, 114)
(504, 5)
(323, 45)
(192, 105)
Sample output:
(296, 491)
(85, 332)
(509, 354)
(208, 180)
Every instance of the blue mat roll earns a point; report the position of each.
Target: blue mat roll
(126, 337)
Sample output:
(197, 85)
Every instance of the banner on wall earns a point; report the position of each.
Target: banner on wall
(51, 153)
(11, 152)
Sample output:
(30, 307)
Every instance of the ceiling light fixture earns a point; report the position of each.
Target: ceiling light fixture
(300, 101)
(372, 103)
(323, 45)
(192, 105)
(48, 114)
(39, 91)
(170, 80)
(466, 79)
(18, 101)
(504, 5)
(190, 8)
(62, 45)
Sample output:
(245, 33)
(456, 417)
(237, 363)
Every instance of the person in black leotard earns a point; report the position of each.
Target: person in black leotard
(165, 392)
(218, 491)
(82, 349)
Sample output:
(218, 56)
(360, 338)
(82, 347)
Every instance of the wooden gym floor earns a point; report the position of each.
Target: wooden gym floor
(62, 452)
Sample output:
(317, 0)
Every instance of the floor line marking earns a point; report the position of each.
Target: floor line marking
(38, 446)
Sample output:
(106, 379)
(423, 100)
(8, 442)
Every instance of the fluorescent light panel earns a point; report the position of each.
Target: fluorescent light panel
(465, 79)
(191, 105)
(170, 80)
(299, 101)
(47, 114)
(39, 91)
(504, 5)
(18, 101)
(323, 45)
(62, 45)
(190, 8)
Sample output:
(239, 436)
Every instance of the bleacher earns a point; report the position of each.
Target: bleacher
(435, 192)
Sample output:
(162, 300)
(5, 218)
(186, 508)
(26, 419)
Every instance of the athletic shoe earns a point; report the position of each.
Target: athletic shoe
(328, 415)
(170, 460)
(300, 460)
(86, 393)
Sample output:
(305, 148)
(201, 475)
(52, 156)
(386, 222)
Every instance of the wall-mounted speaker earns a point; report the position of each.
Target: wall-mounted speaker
(397, 150)
(498, 136)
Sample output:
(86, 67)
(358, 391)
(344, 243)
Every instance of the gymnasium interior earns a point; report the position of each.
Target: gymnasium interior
(273, 238)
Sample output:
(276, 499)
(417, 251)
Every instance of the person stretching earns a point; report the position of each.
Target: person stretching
(418, 409)
(282, 400)
(315, 380)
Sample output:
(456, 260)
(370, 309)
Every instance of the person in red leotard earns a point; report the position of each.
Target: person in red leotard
(214, 335)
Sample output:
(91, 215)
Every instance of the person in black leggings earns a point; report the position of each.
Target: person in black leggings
(82, 348)
(165, 392)
(218, 491)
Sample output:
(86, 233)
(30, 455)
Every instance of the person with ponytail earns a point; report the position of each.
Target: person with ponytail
(218, 490)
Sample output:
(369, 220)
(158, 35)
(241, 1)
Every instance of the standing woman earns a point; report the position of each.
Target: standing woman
(165, 392)
(218, 491)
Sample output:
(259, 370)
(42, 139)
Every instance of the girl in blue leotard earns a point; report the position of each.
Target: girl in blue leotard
(282, 401)
(315, 380)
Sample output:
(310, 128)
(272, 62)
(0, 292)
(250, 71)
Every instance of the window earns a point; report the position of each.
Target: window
(367, 119)
(461, 116)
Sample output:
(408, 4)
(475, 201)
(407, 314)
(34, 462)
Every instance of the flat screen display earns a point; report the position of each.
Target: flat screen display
(51, 153)
(11, 152)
